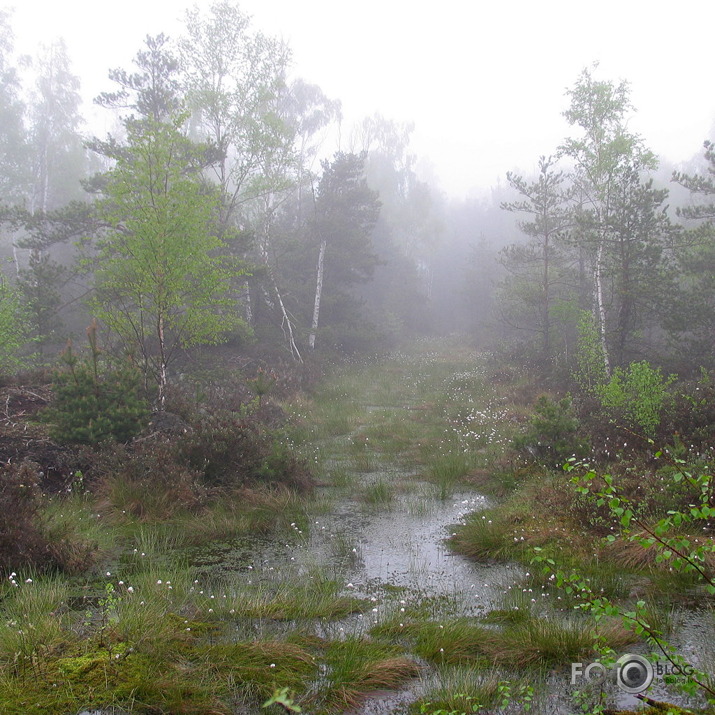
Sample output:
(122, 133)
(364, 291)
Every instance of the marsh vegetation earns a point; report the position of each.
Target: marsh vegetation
(347, 590)
(284, 428)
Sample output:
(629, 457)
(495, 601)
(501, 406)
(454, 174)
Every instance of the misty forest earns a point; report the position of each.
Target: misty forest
(284, 428)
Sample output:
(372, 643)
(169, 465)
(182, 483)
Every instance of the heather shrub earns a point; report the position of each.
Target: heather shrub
(692, 415)
(21, 542)
(147, 481)
(25, 540)
(230, 451)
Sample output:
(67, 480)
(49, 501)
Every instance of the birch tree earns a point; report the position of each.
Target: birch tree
(55, 141)
(58, 164)
(15, 178)
(232, 77)
(14, 155)
(162, 279)
(603, 151)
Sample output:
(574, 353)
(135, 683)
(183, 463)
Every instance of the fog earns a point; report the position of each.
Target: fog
(283, 297)
(373, 169)
(483, 82)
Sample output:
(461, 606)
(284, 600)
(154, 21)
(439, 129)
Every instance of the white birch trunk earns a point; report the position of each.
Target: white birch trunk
(286, 322)
(162, 364)
(318, 295)
(15, 258)
(247, 303)
(600, 307)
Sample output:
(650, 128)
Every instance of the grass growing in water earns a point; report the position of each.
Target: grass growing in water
(178, 648)
(357, 666)
(379, 493)
(447, 470)
(460, 690)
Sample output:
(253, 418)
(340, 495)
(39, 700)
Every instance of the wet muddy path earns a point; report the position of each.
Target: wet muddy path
(390, 442)
(353, 601)
(394, 444)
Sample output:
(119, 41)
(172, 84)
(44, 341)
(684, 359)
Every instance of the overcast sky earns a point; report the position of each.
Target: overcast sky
(483, 82)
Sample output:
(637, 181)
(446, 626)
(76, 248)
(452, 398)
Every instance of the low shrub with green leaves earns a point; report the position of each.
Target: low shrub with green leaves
(14, 328)
(636, 395)
(681, 544)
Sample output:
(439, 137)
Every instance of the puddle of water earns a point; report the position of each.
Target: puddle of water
(378, 552)
(401, 549)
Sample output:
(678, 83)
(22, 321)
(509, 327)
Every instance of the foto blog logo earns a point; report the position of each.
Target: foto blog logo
(632, 673)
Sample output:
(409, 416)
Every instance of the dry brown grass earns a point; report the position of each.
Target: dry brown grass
(636, 556)
(630, 554)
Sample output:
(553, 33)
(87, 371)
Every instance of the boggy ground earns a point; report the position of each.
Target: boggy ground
(342, 601)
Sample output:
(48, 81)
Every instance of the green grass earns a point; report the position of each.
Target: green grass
(379, 493)
(345, 549)
(446, 470)
(74, 520)
(461, 690)
(552, 642)
(446, 641)
(33, 622)
(214, 643)
(311, 597)
(339, 477)
(525, 642)
(357, 666)
(485, 535)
